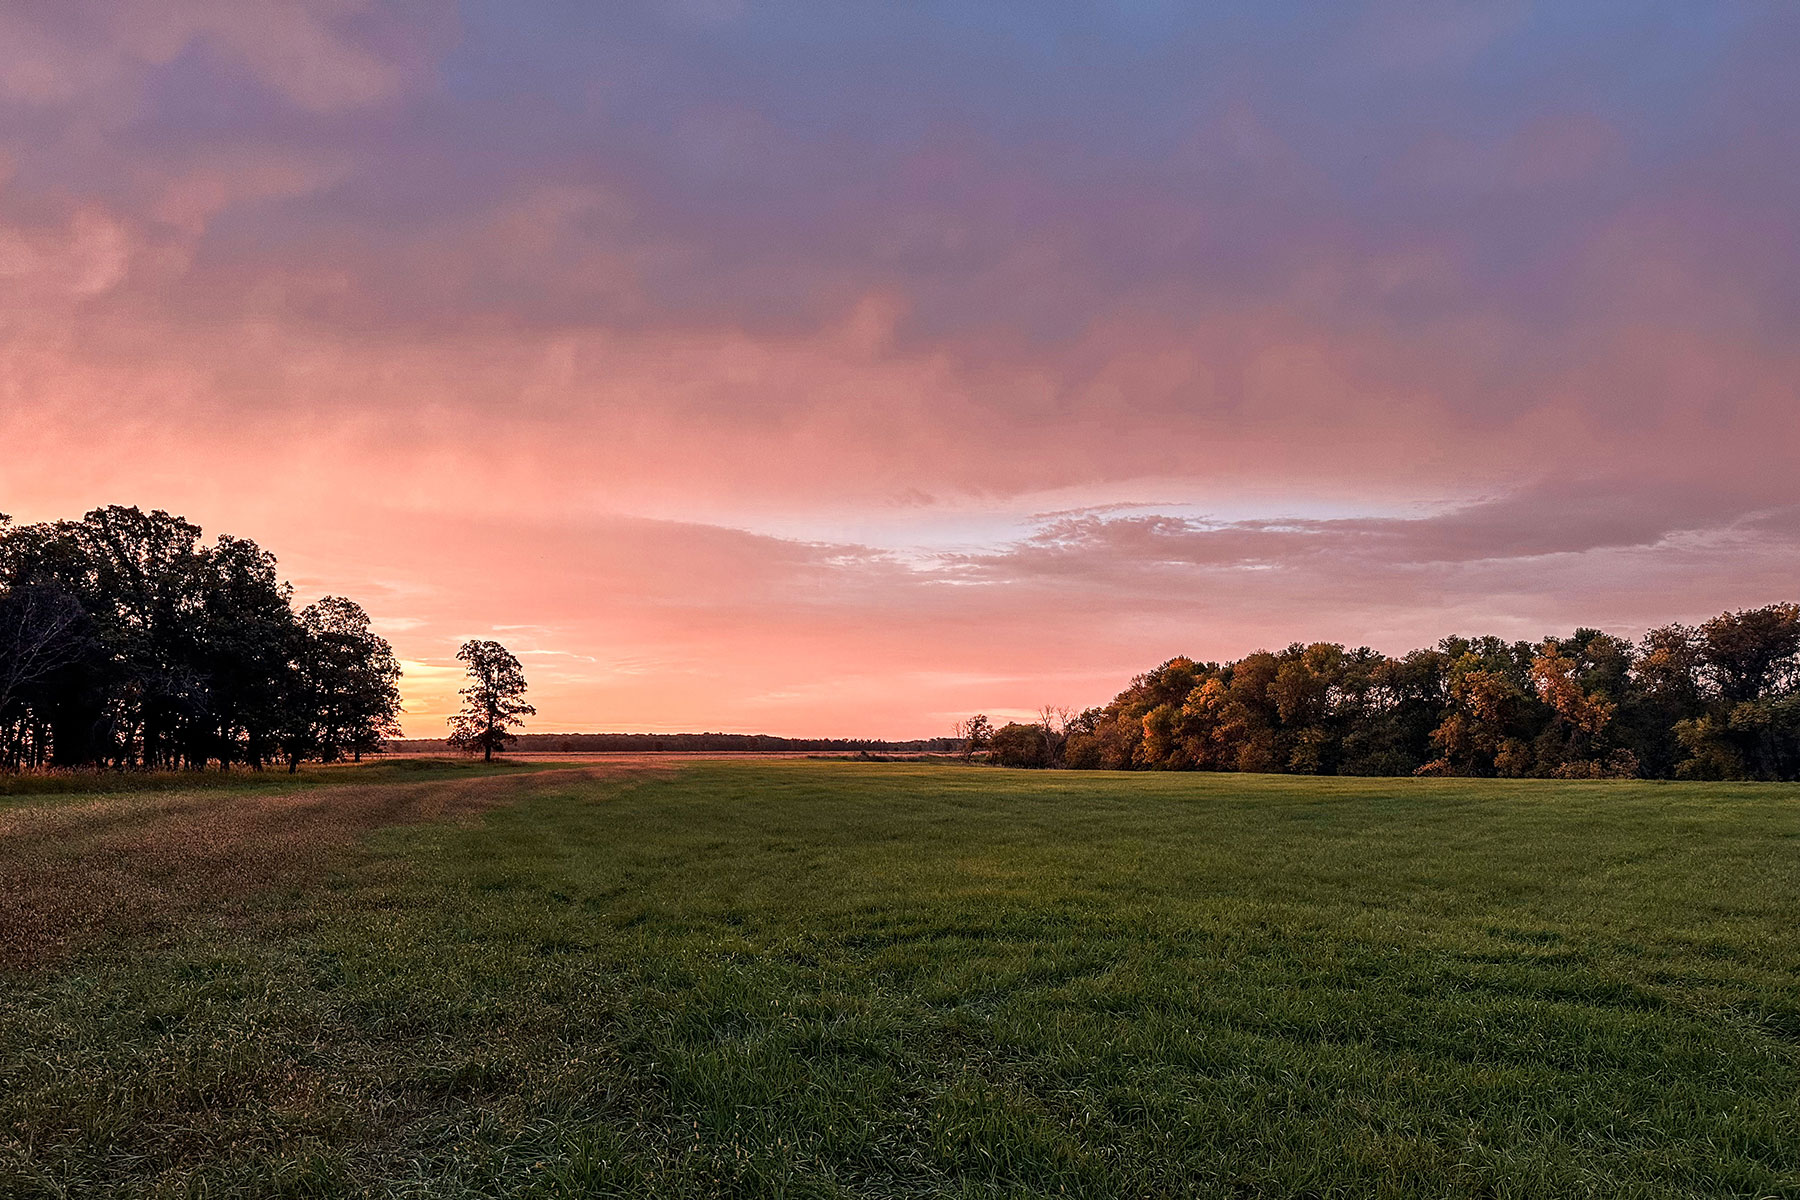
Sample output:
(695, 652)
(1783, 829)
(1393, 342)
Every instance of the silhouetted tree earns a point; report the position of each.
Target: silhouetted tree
(247, 635)
(42, 634)
(342, 685)
(357, 678)
(126, 641)
(491, 704)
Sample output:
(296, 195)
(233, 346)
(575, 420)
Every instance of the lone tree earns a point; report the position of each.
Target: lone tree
(491, 702)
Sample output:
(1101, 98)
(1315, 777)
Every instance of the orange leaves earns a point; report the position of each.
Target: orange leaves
(1553, 674)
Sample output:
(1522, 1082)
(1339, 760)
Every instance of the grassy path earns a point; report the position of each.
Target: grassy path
(833, 979)
(72, 866)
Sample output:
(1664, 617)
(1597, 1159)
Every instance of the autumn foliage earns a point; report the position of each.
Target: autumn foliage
(1717, 701)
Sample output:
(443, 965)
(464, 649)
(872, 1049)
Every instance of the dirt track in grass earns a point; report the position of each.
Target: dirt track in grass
(141, 863)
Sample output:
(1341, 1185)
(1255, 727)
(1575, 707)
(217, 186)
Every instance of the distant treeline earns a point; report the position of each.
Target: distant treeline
(126, 642)
(697, 743)
(1716, 701)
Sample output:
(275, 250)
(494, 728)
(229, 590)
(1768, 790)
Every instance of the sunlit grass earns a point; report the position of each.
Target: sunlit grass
(817, 979)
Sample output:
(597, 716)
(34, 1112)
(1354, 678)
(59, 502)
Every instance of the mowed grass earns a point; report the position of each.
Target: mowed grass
(818, 979)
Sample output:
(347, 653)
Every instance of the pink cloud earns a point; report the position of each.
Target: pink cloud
(727, 409)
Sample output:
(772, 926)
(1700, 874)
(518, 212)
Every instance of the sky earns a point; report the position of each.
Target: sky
(844, 369)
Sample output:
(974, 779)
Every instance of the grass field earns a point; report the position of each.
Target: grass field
(819, 979)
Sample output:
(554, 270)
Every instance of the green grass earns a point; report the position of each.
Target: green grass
(818, 979)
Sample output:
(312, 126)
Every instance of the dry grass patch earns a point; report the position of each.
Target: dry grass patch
(140, 864)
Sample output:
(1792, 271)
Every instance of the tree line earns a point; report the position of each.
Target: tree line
(128, 642)
(1719, 700)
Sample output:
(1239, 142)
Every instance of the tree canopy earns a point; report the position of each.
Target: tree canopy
(127, 641)
(1717, 701)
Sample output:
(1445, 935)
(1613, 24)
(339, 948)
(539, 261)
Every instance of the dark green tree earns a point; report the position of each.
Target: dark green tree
(247, 635)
